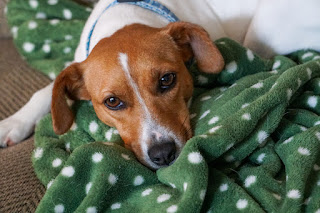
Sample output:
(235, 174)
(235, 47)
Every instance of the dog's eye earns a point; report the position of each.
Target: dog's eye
(167, 81)
(114, 103)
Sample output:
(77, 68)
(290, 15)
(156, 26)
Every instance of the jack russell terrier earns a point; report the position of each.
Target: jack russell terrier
(130, 63)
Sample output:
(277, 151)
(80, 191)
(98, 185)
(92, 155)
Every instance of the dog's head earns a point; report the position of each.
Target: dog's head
(138, 82)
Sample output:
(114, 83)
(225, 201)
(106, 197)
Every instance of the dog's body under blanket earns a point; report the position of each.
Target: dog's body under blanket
(256, 147)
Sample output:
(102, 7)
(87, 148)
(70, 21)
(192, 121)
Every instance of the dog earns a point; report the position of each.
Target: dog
(130, 63)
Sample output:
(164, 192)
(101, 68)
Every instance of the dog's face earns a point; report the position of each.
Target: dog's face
(137, 82)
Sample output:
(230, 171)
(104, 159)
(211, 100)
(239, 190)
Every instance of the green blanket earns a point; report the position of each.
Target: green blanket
(46, 32)
(256, 146)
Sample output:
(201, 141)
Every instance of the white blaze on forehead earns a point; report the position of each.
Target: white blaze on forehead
(123, 58)
(149, 125)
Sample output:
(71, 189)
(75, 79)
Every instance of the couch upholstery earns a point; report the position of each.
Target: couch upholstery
(20, 190)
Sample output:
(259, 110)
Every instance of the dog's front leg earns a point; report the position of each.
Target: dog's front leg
(21, 124)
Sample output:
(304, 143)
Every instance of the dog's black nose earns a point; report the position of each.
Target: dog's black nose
(162, 154)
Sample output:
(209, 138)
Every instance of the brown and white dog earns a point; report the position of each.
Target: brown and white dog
(135, 74)
(138, 82)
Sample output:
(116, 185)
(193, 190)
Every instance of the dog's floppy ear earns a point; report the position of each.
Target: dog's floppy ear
(69, 83)
(193, 40)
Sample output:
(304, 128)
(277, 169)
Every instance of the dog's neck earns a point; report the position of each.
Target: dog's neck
(111, 20)
(120, 15)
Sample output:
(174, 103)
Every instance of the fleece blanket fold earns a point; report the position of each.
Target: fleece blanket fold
(256, 143)
(46, 32)
(256, 147)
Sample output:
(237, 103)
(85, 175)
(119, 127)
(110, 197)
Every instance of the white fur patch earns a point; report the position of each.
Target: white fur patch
(149, 124)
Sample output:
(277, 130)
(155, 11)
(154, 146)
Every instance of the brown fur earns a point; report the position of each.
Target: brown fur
(152, 52)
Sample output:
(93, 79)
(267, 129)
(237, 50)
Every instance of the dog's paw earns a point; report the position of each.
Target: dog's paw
(13, 130)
